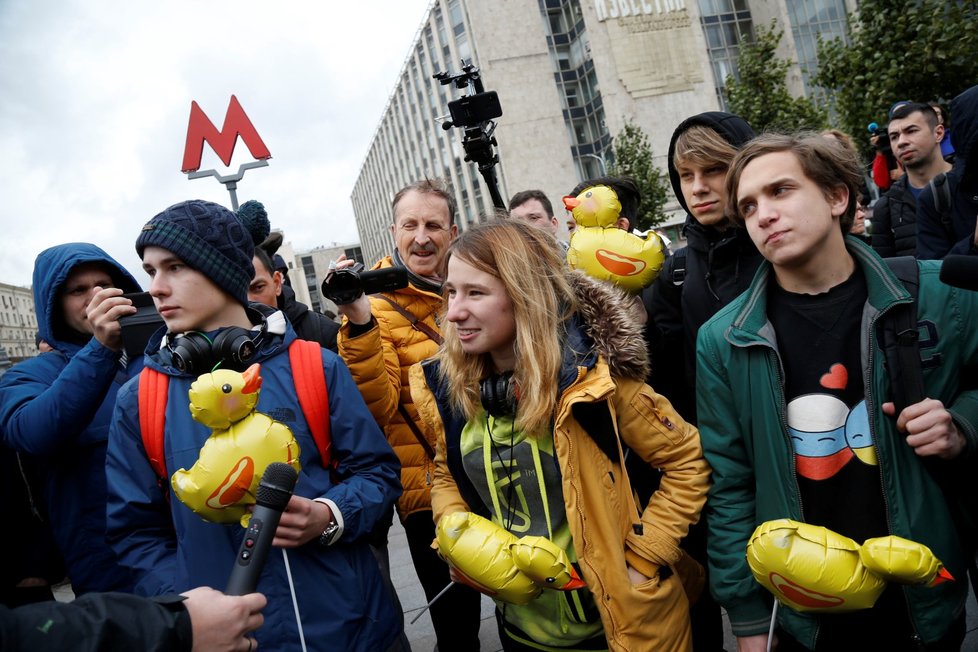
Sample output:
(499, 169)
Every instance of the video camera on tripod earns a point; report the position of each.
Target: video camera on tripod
(474, 114)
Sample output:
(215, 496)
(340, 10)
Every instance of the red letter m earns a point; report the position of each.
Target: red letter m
(236, 123)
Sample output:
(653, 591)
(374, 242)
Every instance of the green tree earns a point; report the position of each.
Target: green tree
(761, 94)
(920, 51)
(633, 158)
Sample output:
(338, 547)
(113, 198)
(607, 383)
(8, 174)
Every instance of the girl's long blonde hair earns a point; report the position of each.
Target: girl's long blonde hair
(530, 265)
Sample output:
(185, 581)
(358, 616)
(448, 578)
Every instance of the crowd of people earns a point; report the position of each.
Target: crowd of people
(645, 434)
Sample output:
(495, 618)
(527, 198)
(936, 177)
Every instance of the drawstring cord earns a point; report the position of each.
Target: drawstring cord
(709, 271)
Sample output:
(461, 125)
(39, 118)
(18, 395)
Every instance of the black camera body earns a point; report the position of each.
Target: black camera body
(342, 286)
(474, 114)
(473, 110)
(138, 328)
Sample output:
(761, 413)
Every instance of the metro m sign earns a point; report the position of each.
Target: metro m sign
(236, 123)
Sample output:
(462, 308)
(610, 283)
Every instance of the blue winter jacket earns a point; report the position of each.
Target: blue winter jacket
(57, 407)
(341, 599)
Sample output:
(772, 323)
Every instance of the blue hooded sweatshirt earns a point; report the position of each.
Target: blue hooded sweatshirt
(57, 407)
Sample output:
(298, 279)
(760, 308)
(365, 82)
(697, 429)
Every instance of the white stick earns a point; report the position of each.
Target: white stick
(770, 630)
(295, 603)
(440, 593)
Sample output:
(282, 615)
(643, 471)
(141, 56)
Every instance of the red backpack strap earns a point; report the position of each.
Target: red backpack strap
(153, 390)
(306, 359)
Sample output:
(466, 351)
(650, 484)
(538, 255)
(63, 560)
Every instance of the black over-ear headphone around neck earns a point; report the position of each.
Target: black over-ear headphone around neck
(195, 353)
(498, 395)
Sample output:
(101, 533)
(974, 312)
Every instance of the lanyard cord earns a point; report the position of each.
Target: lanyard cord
(488, 449)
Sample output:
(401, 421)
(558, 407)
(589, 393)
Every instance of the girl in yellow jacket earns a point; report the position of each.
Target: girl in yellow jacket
(544, 425)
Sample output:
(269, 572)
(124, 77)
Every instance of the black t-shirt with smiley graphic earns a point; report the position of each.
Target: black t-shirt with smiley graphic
(835, 458)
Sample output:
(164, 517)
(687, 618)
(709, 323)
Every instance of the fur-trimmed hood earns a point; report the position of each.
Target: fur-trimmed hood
(604, 326)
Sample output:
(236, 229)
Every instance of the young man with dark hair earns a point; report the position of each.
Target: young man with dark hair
(628, 196)
(533, 207)
(795, 407)
(915, 137)
(267, 288)
(324, 587)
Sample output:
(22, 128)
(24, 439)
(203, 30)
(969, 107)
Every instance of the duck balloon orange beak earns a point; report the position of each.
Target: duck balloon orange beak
(575, 581)
(942, 576)
(252, 379)
(570, 203)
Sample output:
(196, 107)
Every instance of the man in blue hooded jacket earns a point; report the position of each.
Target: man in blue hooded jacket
(326, 588)
(57, 406)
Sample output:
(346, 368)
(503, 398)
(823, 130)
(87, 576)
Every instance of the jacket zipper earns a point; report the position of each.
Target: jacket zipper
(791, 457)
(583, 559)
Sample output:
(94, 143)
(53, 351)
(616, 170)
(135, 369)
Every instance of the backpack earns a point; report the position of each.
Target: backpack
(898, 338)
(310, 387)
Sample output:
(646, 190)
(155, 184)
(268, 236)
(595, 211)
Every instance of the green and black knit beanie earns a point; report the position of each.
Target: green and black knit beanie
(209, 238)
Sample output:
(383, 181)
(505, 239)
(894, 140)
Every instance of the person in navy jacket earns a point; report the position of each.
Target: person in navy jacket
(57, 406)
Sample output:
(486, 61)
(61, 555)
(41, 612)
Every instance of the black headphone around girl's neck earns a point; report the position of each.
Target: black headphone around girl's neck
(498, 395)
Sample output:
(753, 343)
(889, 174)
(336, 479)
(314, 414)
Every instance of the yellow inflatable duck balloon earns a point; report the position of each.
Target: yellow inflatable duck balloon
(595, 206)
(812, 568)
(628, 260)
(222, 482)
(603, 251)
(509, 569)
(545, 563)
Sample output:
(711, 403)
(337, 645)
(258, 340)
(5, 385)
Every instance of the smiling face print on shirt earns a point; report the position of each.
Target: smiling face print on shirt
(825, 434)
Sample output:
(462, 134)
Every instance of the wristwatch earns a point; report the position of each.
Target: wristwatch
(326, 538)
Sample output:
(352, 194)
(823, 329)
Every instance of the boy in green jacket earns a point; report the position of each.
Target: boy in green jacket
(795, 412)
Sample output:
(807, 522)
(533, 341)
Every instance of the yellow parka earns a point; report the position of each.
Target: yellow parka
(600, 507)
(380, 360)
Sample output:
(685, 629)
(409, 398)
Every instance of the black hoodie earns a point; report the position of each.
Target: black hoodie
(716, 265)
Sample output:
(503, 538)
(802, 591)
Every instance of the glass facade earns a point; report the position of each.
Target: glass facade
(811, 19)
(577, 85)
(726, 23)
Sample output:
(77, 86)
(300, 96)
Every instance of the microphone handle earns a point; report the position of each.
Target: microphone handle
(253, 551)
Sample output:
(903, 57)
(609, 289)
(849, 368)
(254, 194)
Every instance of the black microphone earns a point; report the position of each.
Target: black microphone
(274, 491)
(960, 272)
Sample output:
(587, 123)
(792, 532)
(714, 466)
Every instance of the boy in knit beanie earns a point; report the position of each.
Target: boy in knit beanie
(199, 258)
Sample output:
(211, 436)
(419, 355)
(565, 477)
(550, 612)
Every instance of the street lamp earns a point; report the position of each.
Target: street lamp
(604, 168)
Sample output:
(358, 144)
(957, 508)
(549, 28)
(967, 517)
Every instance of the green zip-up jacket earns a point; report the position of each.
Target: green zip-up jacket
(741, 406)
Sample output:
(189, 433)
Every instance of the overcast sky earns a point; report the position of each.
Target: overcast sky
(95, 99)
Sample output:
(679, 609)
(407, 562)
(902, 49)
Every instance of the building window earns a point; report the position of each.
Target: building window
(809, 21)
(576, 82)
(726, 23)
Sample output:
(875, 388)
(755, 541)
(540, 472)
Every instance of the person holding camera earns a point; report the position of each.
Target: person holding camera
(57, 407)
(382, 336)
